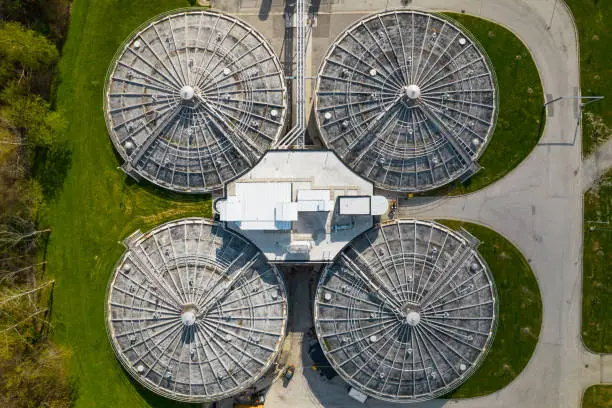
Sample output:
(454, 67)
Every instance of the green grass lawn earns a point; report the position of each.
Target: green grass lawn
(98, 205)
(597, 396)
(595, 31)
(521, 121)
(520, 313)
(596, 272)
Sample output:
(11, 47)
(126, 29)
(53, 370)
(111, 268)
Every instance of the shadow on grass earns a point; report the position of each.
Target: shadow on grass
(51, 166)
(154, 190)
(154, 400)
(162, 193)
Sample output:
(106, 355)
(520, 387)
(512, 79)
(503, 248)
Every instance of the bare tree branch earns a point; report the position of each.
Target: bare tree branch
(8, 299)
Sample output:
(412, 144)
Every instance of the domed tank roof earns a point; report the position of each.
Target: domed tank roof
(200, 94)
(407, 99)
(402, 315)
(194, 311)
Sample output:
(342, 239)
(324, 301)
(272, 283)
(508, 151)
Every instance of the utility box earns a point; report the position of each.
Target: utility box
(357, 395)
(362, 205)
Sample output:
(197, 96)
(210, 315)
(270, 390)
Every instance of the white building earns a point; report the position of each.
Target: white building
(300, 205)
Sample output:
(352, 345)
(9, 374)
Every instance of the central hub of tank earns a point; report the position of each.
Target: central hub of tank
(187, 93)
(188, 315)
(412, 91)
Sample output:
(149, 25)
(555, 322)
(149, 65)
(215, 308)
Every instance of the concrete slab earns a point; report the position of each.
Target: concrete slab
(606, 369)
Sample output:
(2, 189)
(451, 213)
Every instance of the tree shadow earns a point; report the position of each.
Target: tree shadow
(51, 166)
(157, 191)
(166, 194)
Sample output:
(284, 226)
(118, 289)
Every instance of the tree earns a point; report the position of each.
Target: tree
(37, 379)
(30, 198)
(25, 48)
(33, 371)
(49, 17)
(30, 117)
(17, 232)
(7, 71)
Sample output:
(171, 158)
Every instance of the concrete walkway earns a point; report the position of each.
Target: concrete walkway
(594, 166)
(538, 206)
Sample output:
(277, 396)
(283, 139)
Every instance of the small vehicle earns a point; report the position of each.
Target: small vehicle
(289, 372)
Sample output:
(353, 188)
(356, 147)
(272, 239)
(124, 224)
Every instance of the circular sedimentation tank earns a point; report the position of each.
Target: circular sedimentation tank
(194, 311)
(407, 311)
(193, 99)
(407, 99)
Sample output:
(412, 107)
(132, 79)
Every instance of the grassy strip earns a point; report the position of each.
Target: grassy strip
(521, 121)
(596, 272)
(520, 313)
(98, 205)
(595, 32)
(597, 396)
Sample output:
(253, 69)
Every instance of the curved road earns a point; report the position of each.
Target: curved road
(538, 206)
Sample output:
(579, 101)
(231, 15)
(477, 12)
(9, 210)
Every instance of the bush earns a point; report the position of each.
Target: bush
(36, 377)
(30, 117)
(26, 48)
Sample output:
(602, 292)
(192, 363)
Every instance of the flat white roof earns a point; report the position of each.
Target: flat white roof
(314, 200)
(318, 178)
(305, 194)
(311, 205)
(380, 205)
(354, 205)
(254, 206)
(231, 209)
(287, 211)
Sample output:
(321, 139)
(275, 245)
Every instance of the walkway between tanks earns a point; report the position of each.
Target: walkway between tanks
(538, 206)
